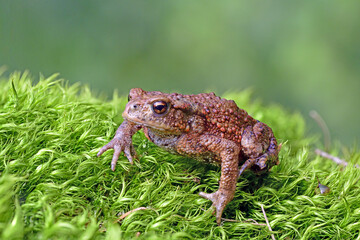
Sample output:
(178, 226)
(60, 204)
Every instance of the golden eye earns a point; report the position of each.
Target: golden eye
(160, 107)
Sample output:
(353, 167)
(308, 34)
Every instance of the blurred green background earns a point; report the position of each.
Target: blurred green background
(304, 55)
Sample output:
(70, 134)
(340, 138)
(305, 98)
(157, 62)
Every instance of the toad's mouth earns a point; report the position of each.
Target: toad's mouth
(153, 125)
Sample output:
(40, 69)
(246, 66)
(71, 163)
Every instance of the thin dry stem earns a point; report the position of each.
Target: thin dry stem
(129, 212)
(324, 128)
(333, 158)
(267, 221)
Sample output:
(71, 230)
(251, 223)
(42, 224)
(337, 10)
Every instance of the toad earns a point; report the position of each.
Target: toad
(203, 126)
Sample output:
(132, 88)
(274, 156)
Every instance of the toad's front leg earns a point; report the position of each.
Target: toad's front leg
(225, 151)
(122, 142)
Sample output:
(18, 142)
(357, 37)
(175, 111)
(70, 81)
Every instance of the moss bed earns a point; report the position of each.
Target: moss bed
(52, 185)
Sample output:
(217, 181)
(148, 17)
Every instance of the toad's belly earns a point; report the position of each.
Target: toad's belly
(167, 142)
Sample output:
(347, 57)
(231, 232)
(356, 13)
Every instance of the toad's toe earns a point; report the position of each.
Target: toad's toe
(219, 200)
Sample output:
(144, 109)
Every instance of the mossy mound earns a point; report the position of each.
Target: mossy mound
(52, 185)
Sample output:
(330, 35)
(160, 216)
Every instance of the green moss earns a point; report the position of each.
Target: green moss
(52, 185)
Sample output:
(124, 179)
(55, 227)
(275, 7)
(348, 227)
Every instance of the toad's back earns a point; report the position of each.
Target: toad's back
(222, 117)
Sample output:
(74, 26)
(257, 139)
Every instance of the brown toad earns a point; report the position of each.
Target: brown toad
(201, 126)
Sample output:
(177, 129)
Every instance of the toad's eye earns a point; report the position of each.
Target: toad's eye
(160, 107)
(129, 98)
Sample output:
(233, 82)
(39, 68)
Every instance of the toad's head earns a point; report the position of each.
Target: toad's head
(167, 113)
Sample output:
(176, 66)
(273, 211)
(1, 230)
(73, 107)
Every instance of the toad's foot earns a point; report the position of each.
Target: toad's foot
(122, 142)
(119, 145)
(220, 200)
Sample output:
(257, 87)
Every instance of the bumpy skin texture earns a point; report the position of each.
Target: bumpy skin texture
(201, 126)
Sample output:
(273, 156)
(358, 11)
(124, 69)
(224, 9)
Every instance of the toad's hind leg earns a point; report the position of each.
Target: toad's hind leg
(228, 153)
(260, 147)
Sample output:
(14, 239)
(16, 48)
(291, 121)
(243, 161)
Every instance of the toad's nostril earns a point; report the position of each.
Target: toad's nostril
(135, 106)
